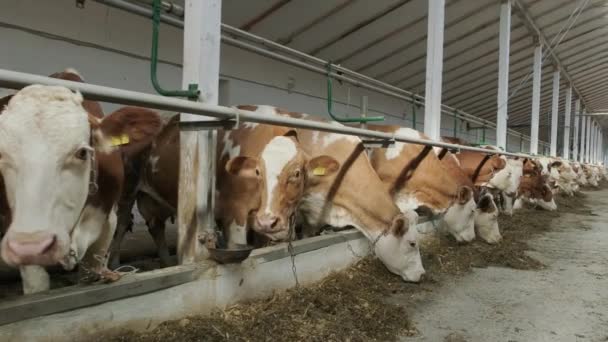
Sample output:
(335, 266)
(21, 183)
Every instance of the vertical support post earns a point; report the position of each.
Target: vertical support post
(593, 142)
(554, 113)
(575, 142)
(588, 143)
(567, 120)
(434, 69)
(503, 74)
(364, 101)
(581, 157)
(536, 99)
(197, 149)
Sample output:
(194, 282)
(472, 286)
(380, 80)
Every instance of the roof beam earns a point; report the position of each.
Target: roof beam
(525, 16)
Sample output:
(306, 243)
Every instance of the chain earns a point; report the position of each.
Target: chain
(291, 251)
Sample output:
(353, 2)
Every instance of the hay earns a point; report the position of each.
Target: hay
(345, 306)
(354, 305)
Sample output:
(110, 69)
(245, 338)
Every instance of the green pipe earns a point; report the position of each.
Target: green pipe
(330, 101)
(192, 92)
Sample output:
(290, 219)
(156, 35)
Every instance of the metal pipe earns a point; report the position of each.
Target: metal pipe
(18, 80)
(300, 60)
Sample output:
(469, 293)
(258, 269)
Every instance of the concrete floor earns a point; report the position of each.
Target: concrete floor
(567, 301)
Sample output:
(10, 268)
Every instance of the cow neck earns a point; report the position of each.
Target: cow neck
(408, 171)
(478, 169)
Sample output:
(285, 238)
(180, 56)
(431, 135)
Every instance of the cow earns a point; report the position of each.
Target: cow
(486, 211)
(354, 196)
(581, 178)
(261, 175)
(534, 188)
(62, 176)
(491, 171)
(416, 178)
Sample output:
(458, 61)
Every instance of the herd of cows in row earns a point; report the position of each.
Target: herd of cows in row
(70, 176)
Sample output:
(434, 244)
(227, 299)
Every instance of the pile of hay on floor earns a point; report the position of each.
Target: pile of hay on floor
(346, 306)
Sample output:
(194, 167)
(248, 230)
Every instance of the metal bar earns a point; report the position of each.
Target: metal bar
(535, 100)
(502, 99)
(197, 149)
(575, 143)
(18, 80)
(588, 143)
(543, 40)
(567, 120)
(554, 113)
(434, 69)
(235, 37)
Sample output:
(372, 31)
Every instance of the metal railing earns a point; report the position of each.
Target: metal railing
(227, 115)
(270, 49)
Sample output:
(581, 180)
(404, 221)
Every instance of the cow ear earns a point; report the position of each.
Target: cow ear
(498, 163)
(464, 194)
(322, 166)
(486, 204)
(242, 166)
(4, 102)
(131, 128)
(556, 164)
(399, 227)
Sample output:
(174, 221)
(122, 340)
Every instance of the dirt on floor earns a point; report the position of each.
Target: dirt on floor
(351, 305)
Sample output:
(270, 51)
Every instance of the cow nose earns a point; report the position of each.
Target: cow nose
(28, 248)
(267, 222)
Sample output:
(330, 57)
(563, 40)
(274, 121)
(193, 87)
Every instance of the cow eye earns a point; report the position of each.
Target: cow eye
(82, 153)
(257, 172)
(296, 174)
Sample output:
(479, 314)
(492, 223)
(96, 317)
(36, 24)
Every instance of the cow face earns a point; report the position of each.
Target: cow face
(486, 219)
(281, 173)
(459, 218)
(399, 250)
(48, 147)
(503, 173)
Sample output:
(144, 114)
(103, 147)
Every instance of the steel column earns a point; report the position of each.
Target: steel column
(588, 142)
(536, 83)
(581, 157)
(434, 69)
(554, 114)
(567, 121)
(575, 143)
(202, 39)
(504, 41)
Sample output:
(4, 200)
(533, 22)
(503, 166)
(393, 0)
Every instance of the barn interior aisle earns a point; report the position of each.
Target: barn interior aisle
(566, 300)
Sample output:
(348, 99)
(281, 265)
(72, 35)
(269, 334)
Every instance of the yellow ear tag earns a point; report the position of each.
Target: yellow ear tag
(319, 171)
(120, 140)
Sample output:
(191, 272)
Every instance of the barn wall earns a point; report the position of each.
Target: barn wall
(111, 47)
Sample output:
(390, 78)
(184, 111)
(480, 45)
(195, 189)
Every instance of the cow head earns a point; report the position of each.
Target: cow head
(49, 145)
(280, 172)
(459, 218)
(502, 177)
(486, 219)
(399, 250)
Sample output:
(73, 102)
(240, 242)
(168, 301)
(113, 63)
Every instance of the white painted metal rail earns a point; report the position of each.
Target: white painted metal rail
(270, 49)
(17, 80)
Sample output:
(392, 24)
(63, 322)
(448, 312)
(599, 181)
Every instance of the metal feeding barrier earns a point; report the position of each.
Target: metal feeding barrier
(18, 80)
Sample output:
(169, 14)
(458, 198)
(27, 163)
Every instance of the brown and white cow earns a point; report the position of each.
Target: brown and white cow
(534, 189)
(353, 195)
(415, 177)
(62, 178)
(261, 174)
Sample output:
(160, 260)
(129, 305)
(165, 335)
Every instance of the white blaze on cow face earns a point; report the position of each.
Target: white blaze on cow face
(459, 220)
(486, 220)
(45, 159)
(280, 161)
(503, 179)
